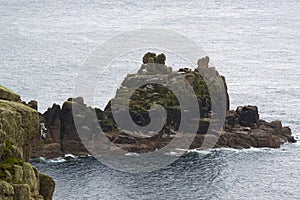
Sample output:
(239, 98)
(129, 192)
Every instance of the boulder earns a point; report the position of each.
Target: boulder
(248, 116)
(152, 58)
(203, 62)
(277, 125)
(147, 56)
(33, 104)
(47, 186)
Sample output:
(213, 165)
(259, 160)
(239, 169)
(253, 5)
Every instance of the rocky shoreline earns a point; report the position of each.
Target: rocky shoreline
(241, 134)
(242, 129)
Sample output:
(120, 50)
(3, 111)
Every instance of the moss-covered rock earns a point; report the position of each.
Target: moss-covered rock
(30, 178)
(18, 173)
(9, 95)
(22, 192)
(6, 190)
(18, 123)
(7, 150)
(47, 186)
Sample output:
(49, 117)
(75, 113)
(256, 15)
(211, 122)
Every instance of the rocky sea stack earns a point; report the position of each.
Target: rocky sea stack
(242, 127)
(19, 124)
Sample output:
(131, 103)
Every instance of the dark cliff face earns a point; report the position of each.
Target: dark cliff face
(242, 129)
(19, 123)
(60, 134)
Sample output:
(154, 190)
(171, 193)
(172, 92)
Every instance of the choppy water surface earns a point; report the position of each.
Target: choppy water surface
(255, 44)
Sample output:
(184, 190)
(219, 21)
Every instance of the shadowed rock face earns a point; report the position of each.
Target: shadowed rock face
(61, 135)
(242, 129)
(18, 125)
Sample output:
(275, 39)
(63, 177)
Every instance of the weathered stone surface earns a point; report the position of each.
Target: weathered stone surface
(248, 116)
(52, 120)
(19, 124)
(8, 150)
(6, 94)
(18, 173)
(61, 136)
(22, 192)
(152, 58)
(6, 189)
(203, 62)
(33, 104)
(47, 186)
(30, 178)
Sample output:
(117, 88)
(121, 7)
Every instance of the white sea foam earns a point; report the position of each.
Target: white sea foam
(173, 153)
(54, 160)
(70, 156)
(132, 154)
(198, 151)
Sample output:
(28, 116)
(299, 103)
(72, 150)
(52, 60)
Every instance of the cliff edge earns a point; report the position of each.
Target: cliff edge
(18, 125)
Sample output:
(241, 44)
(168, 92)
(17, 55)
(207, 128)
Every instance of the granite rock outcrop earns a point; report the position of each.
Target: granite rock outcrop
(242, 127)
(18, 125)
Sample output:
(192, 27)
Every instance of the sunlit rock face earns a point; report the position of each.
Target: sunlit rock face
(19, 124)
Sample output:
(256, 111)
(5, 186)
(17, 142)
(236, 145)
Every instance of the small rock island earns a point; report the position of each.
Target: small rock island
(242, 129)
(25, 133)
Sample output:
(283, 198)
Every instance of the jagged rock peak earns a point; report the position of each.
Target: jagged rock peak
(203, 62)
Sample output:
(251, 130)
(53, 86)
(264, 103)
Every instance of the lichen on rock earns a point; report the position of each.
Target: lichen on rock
(19, 124)
(9, 95)
(47, 186)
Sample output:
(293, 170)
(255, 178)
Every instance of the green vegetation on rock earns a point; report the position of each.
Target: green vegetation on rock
(19, 124)
(147, 91)
(9, 95)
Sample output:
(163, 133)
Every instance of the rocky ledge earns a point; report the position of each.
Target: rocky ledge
(243, 128)
(19, 124)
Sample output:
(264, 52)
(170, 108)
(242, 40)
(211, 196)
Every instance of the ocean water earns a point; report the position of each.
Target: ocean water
(254, 44)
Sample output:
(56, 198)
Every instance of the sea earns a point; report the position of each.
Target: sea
(254, 44)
